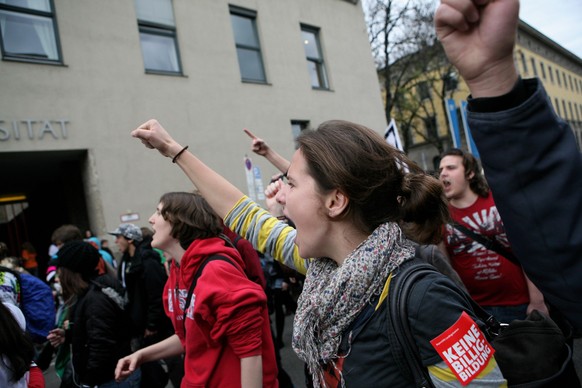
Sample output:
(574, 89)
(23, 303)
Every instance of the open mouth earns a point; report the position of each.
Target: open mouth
(446, 183)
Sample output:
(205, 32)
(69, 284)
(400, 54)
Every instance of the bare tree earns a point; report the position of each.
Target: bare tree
(413, 70)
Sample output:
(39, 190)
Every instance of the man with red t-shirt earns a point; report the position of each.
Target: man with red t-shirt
(493, 281)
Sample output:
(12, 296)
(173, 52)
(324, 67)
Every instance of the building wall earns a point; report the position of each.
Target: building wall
(102, 92)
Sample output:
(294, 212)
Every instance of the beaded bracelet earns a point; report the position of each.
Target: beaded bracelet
(178, 154)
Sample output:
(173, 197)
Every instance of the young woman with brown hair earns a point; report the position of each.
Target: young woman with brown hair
(357, 204)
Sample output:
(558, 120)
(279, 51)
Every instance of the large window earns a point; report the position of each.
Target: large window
(423, 90)
(533, 66)
(157, 34)
(248, 47)
(28, 31)
(315, 64)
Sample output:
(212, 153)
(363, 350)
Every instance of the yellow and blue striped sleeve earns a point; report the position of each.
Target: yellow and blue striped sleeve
(266, 233)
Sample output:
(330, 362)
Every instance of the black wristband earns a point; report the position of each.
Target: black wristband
(178, 154)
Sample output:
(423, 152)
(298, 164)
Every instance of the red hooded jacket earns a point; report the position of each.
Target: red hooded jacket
(227, 318)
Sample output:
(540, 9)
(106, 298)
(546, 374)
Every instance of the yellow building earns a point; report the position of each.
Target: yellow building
(536, 56)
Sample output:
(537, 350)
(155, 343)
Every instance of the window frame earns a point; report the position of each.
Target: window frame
(301, 125)
(152, 28)
(252, 16)
(52, 16)
(319, 62)
(156, 29)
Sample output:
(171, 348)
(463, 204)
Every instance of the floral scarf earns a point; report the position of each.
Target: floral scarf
(333, 295)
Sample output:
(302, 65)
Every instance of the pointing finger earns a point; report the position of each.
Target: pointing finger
(251, 135)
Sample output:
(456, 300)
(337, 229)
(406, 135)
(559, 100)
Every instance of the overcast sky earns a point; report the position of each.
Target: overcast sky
(559, 20)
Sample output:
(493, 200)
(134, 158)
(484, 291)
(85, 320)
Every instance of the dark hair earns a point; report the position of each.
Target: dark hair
(72, 283)
(191, 217)
(372, 174)
(146, 232)
(15, 345)
(65, 233)
(477, 183)
(28, 247)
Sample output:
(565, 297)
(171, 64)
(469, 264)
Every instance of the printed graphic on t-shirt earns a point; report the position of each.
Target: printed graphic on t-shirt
(464, 348)
(486, 264)
(491, 279)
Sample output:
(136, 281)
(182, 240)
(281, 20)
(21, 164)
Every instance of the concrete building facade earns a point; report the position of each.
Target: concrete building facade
(77, 76)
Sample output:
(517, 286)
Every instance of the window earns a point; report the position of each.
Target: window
(248, 48)
(557, 104)
(565, 80)
(533, 65)
(558, 77)
(543, 69)
(550, 73)
(430, 124)
(298, 126)
(28, 31)
(423, 90)
(451, 81)
(570, 79)
(564, 109)
(315, 65)
(157, 35)
(523, 62)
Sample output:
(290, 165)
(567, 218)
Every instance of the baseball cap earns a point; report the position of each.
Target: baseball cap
(129, 231)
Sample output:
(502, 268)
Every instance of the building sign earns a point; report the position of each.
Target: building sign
(33, 129)
(129, 217)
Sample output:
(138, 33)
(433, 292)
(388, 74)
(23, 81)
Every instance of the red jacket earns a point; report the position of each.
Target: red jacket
(227, 318)
(250, 257)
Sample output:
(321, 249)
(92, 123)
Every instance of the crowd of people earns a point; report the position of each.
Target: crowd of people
(190, 300)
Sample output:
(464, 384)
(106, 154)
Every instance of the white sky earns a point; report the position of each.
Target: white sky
(559, 20)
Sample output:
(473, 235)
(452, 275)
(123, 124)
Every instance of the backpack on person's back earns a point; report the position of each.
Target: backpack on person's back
(35, 299)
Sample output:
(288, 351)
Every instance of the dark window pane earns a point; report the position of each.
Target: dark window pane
(244, 31)
(28, 35)
(251, 65)
(155, 11)
(159, 52)
(310, 45)
(39, 5)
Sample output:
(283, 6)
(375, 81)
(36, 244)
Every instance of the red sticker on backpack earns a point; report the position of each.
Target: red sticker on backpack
(464, 348)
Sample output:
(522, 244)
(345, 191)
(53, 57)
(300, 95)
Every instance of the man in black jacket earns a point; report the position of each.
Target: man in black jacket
(529, 154)
(143, 276)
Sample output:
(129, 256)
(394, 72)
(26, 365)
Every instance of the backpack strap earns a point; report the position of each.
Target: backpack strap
(195, 280)
(491, 244)
(405, 351)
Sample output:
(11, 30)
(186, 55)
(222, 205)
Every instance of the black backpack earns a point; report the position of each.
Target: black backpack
(531, 353)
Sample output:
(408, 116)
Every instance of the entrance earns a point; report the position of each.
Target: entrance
(40, 191)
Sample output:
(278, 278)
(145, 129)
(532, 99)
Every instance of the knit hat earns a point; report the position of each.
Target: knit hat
(80, 257)
(129, 231)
